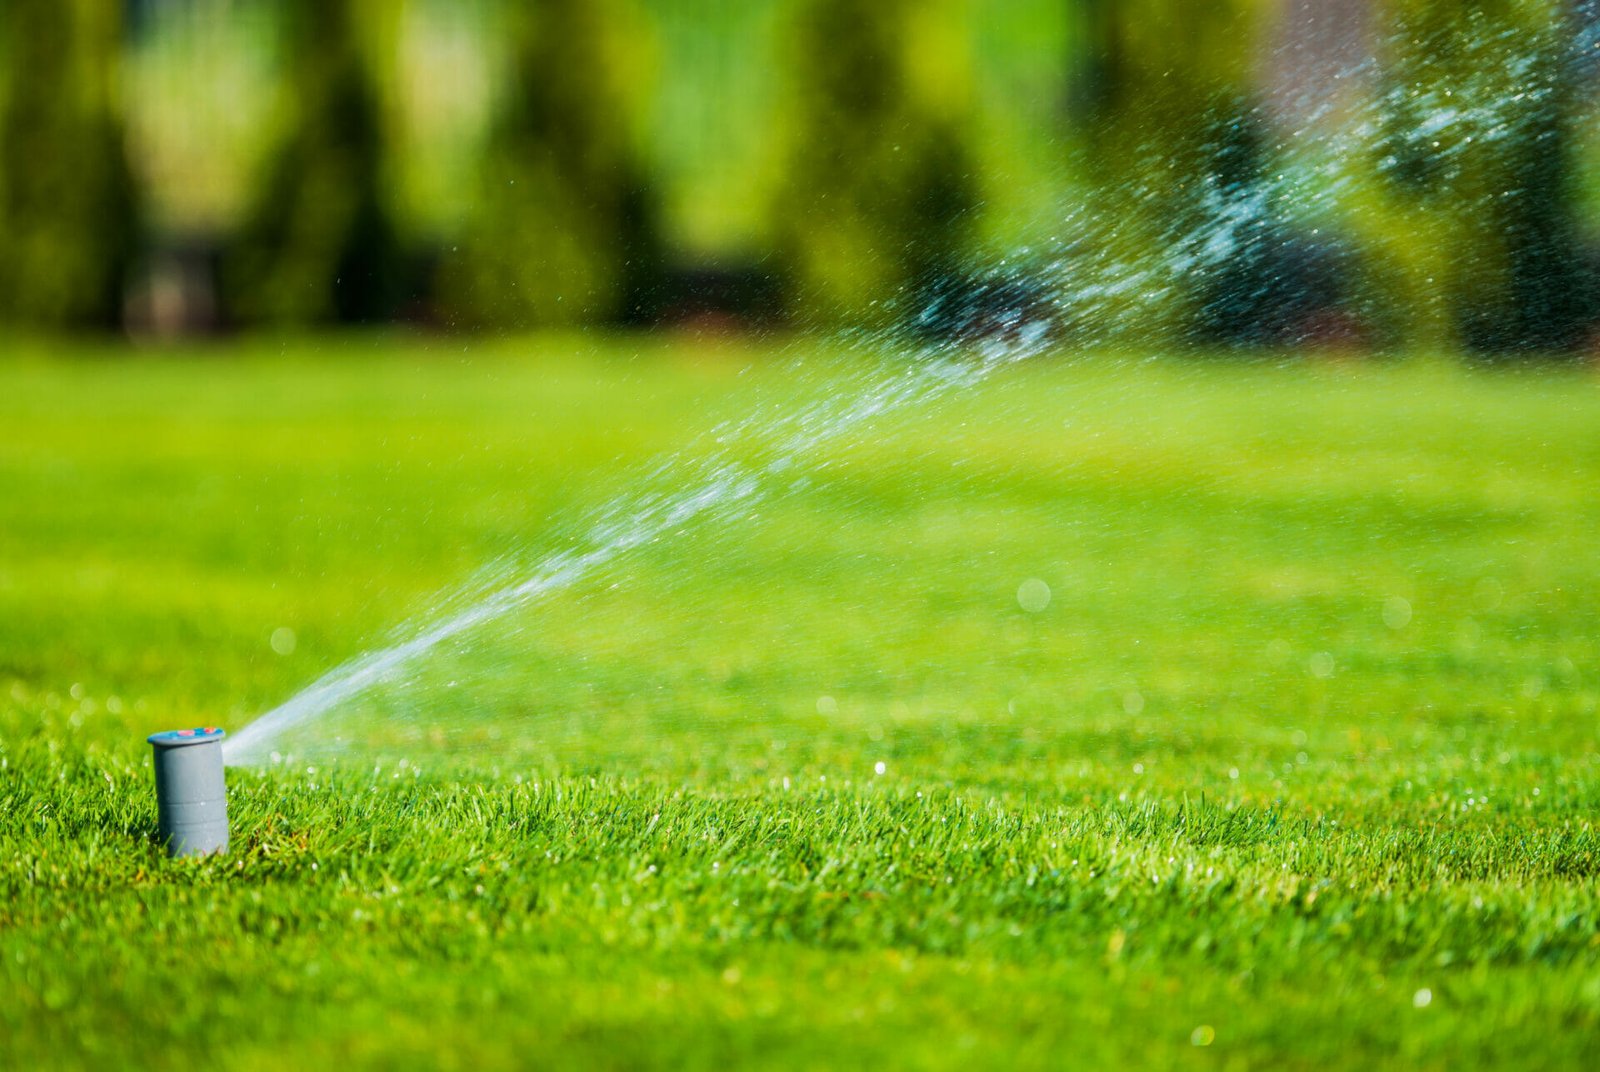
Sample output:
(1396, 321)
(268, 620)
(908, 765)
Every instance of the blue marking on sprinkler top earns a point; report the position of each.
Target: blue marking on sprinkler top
(198, 735)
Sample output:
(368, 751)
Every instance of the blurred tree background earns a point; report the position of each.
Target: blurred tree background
(1168, 100)
(1400, 173)
(319, 244)
(878, 180)
(563, 227)
(68, 207)
(1478, 163)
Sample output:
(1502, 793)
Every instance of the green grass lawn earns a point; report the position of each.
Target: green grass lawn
(1297, 767)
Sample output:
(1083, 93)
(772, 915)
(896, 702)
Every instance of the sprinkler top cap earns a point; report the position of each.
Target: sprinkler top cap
(198, 735)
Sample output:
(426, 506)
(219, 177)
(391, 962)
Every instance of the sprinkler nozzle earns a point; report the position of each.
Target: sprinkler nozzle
(191, 798)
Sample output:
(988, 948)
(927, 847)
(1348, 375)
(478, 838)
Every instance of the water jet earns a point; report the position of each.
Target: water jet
(191, 794)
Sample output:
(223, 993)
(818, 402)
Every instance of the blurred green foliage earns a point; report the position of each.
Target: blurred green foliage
(68, 211)
(878, 185)
(563, 229)
(1477, 162)
(1168, 99)
(319, 244)
(491, 163)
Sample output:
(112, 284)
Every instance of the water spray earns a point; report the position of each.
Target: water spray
(191, 797)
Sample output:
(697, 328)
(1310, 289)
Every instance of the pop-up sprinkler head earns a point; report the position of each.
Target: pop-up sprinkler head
(191, 799)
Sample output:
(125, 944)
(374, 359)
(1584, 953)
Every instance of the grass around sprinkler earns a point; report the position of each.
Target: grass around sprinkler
(1114, 713)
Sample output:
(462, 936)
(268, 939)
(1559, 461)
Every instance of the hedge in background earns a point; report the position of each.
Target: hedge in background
(68, 209)
(878, 187)
(1177, 221)
(320, 245)
(563, 231)
(1477, 167)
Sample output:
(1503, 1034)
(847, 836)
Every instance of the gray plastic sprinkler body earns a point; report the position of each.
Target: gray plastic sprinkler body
(191, 799)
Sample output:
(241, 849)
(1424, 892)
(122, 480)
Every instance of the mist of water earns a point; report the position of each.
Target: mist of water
(720, 484)
(717, 484)
(1077, 278)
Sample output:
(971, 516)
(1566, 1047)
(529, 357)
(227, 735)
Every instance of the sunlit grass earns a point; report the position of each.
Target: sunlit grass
(1297, 766)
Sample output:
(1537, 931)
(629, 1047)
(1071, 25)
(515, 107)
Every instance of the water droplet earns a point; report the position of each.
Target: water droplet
(1396, 612)
(879, 767)
(1204, 1035)
(1422, 998)
(283, 640)
(1033, 595)
(827, 705)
